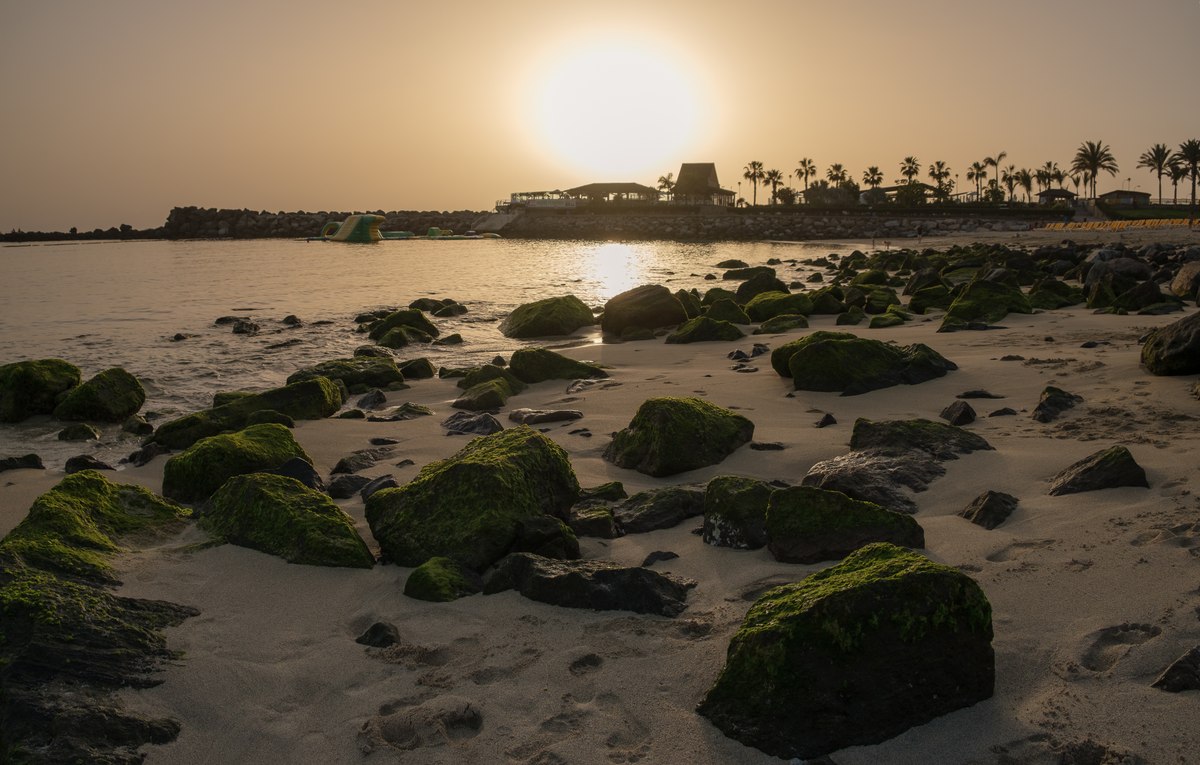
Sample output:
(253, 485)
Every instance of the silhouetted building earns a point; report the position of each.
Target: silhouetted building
(697, 184)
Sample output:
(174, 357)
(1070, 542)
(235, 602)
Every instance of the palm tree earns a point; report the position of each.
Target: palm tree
(1009, 179)
(1076, 178)
(773, 177)
(995, 162)
(1091, 158)
(1189, 156)
(1177, 172)
(666, 183)
(977, 173)
(836, 174)
(872, 177)
(1025, 180)
(804, 169)
(1157, 160)
(753, 172)
(938, 173)
(1058, 176)
(910, 168)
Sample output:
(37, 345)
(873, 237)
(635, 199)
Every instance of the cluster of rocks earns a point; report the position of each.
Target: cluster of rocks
(211, 223)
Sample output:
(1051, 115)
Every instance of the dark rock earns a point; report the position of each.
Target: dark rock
(673, 435)
(416, 369)
(659, 509)
(499, 361)
(419, 329)
(292, 320)
(768, 305)
(535, 365)
(379, 635)
(372, 351)
(489, 395)
(366, 371)
(27, 462)
(735, 512)
(79, 431)
(302, 471)
(826, 420)
(644, 308)
(1175, 348)
(143, 456)
(377, 484)
(877, 476)
(110, 396)
(1053, 402)
(546, 536)
(137, 425)
(1182, 675)
(838, 361)
(659, 556)
(973, 394)
(538, 416)
(594, 584)
(83, 462)
(34, 387)
(704, 329)
(767, 446)
(347, 485)
(611, 491)
(942, 442)
(853, 655)
(472, 423)
(1106, 469)
(552, 316)
(373, 400)
(361, 459)
(807, 525)
(441, 580)
(958, 413)
(383, 441)
(264, 416)
(985, 302)
(989, 509)
(455, 339)
(728, 311)
(594, 518)
(245, 327)
(782, 323)
(197, 472)
(762, 282)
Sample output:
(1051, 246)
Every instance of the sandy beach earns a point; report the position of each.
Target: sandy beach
(1093, 594)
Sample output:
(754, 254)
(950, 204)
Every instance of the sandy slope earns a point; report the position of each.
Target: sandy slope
(1093, 594)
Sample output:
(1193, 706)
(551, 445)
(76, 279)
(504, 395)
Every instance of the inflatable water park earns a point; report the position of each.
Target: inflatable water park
(364, 229)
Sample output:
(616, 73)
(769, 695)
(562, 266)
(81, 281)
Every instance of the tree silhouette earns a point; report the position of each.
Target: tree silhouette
(873, 177)
(1156, 159)
(773, 177)
(1189, 157)
(666, 184)
(836, 174)
(910, 168)
(753, 172)
(805, 168)
(995, 162)
(1092, 157)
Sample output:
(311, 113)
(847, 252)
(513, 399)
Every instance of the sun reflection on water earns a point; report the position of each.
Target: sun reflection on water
(614, 267)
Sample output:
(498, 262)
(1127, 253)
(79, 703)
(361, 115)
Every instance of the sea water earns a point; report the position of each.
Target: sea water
(106, 304)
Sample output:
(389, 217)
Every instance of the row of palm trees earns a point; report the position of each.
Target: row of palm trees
(1091, 159)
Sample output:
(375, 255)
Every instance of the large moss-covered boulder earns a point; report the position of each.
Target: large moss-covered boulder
(544, 318)
(34, 387)
(782, 323)
(535, 365)
(406, 317)
(836, 361)
(1050, 293)
(356, 372)
(307, 400)
(767, 305)
(735, 512)
(727, 310)
(939, 440)
(805, 524)
(670, 435)
(704, 329)
(1175, 348)
(985, 301)
(646, 307)
(487, 395)
(441, 580)
(404, 336)
(764, 281)
(281, 516)
(196, 473)
(855, 654)
(110, 396)
(469, 507)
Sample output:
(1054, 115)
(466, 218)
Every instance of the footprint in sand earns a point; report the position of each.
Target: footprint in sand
(1183, 535)
(1112, 644)
(1018, 550)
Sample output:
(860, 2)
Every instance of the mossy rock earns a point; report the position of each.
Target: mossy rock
(827, 301)
(935, 296)
(833, 361)
(851, 317)
(309, 400)
(690, 302)
(854, 654)
(417, 369)
(74, 529)
(488, 372)
(403, 336)
(704, 329)
(34, 387)
(889, 319)
(469, 507)
(805, 524)
(743, 273)
(196, 473)
(759, 284)
(221, 398)
(263, 416)
(986, 301)
(79, 431)
(643, 308)
(735, 512)
(938, 439)
(441, 580)
(671, 435)
(110, 396)
(1174, 349)
(870, 277)
(370, 371)
(609, 492)
(490, 394)
(766, 305)
(1050, 294)
(783, 323)
(535, 365)
(727, 310)
(281, 516)
(716, 294)
(544, 318)
(407, 317)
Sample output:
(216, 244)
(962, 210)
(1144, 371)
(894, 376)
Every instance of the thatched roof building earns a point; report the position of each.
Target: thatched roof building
(697, 184)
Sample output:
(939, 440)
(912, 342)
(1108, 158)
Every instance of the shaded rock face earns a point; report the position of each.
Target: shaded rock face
(67, 644)
(110, 396)
(1174, 349)
(364, 371)
(646, 307)
(805, 524)
(735, 512)
(441, 580)
(407, 318)
(477, 423)
(838, 361)
(704, 329)
(1182, 675)
(194, 474)
(281, 516)
(672, 435)
(989, 509)
(469, 507)
(34, 387)
(594, 584)
(658, 509)
(1053, 402)
(940, 441)
(535, 365)
(24, 462)
(877, 476)
(854, 654)
(543, 318)
(1107, 469)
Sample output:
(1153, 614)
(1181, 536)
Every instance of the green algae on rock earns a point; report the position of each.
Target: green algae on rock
(642, 308)
(805, 524)
(670, 435)
(704, 329)
(768, 305)
(469, 507)
(782, 323)
(405, 318)
(735, 512)
(840, 361)
(855, 654)
(441, 580)
(34, 387)
(543, 318)
(281, 516)
(196, 473)
(110, 396)
(491, 394)
(985, 301)
(308, 400)
(727, 310)
(535, 365)
(368, 371)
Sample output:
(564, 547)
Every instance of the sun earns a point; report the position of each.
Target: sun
(617, 110)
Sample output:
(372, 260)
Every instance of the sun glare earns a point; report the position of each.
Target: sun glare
(616, 110)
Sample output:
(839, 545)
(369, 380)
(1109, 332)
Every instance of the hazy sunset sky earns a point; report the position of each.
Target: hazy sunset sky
(115, 111)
